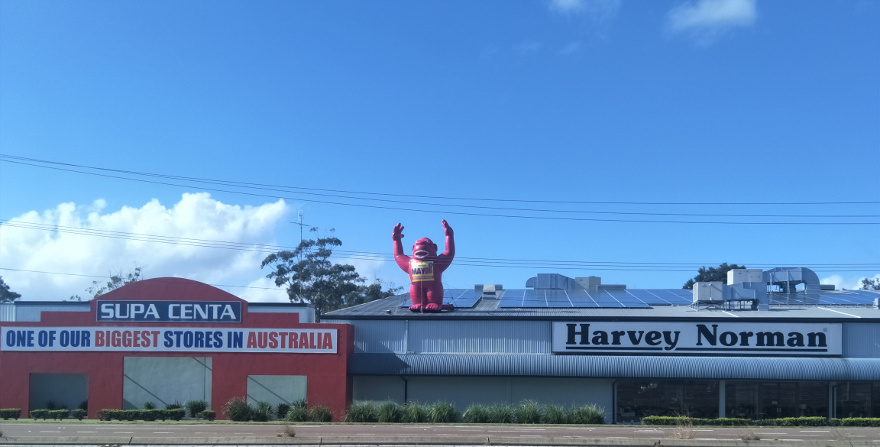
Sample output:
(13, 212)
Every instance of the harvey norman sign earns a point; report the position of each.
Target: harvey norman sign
(684, 338)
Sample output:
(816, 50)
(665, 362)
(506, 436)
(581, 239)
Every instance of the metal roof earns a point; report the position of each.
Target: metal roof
(391, 308)
(546, 365)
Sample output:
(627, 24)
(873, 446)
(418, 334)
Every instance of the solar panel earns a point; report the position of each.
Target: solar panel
(625, 299)
(457, 297)
(646, 297)
(464, 297)
(670, 297)
(581, 298)
(849, 298)
(558, 297)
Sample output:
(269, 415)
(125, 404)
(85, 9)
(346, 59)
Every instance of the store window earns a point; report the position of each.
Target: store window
(57, 391)
(695, 398)
(771, 400)
(858, 400)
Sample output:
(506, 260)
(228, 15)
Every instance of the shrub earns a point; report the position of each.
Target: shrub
(857, 422)
(301, 403)
(299, 411)
(528, 412)
(414, 412)
(320, 413)
(208, 415)
(173, 406)
(500, 413)
(63, 413)
(84, 405)
(297, 414)
(794, 422)
(149, 405)
(673, 420)
(476, 414)
(555, 414)
(51, 405)
(443, 412)
(194, 407)
(362, 411)
(78, 414)
(728, 422)
(40, 414)
(175, 414)
(389, 411)
(587, 414)
(156, 414)
(237, 409)
(10, 413)
(110, 414)
(262, 412)
(130, 415)
(281, 410)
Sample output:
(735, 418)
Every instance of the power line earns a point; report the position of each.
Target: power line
(372, 256)
(554, 213)
(109, 277)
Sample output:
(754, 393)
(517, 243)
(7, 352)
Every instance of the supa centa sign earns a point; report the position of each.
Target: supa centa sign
(819, 339)
(170, 311)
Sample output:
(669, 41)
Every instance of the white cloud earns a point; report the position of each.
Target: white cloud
(599, 10)
(86, 241)
(527, 48)
(708, 20)
(262, 290)
(850, 283)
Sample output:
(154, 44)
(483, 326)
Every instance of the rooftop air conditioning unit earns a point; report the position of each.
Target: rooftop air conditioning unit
(709, 292)
(739, 276)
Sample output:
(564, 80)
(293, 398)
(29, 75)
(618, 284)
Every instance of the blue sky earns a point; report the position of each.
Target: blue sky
(636, 141)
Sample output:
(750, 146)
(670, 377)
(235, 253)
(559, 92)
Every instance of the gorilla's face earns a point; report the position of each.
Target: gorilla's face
(424, 248)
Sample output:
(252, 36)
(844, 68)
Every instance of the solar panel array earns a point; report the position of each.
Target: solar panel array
(838, 298)
(637, 298)
(605, 298)
(646, 298)
(457, 297)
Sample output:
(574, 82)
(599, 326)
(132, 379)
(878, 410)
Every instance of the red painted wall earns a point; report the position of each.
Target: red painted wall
(328, 382)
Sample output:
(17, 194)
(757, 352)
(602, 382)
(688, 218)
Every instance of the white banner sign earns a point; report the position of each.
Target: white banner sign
(168, 339)
(683, 338)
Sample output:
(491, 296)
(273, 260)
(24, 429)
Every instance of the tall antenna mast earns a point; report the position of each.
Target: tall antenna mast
(300, 226)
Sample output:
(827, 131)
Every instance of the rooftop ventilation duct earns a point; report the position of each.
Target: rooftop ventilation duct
(789, 277)
(489, 291)
(551, 281)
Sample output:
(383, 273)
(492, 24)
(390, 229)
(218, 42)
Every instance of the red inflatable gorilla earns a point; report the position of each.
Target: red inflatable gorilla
(425, 269)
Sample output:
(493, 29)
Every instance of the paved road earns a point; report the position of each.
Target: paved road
(78, 433)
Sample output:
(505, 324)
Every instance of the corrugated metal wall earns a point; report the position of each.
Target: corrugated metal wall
(861, 340)
(7, 312)
(379, 336)
(458, 337)
(473, 337)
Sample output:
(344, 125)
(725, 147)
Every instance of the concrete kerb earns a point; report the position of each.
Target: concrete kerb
(457, 441)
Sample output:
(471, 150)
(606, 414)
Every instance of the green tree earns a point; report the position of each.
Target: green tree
(310, 276)
(870, 284)
(7, 295)
(116, 281)
(372, 292)
(705, 274)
